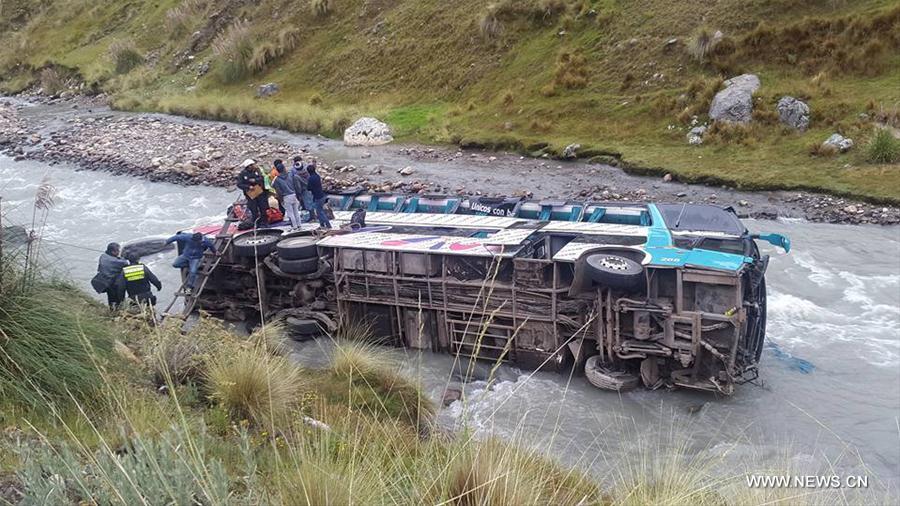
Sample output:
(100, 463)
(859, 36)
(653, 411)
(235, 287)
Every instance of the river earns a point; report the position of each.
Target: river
(829, 393)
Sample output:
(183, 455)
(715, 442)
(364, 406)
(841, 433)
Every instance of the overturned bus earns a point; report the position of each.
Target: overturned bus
(655, 294)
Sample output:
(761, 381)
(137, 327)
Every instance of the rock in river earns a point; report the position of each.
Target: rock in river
(735, 103)
(367, 132)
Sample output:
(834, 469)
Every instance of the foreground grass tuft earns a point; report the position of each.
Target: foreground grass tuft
(254, 385)
(51, 344)
(884, 147)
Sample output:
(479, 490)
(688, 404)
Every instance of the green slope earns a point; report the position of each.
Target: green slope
(526, 75)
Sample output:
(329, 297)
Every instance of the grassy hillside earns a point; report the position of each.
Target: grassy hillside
(620, 78)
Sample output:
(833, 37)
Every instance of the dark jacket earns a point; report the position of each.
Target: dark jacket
(110, 268)
(191, 249)
(315, 186)
(248, 177)
(300, 180)
(283, 185)
(142, 285)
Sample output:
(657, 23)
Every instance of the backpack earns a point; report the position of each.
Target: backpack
(274, 215)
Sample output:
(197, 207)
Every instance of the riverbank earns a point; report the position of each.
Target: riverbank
(190, 152)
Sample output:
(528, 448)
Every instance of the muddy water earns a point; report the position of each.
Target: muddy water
(830, 377)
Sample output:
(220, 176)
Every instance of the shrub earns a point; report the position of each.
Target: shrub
(490, 26)
(52, 81)
(263, 55)
(884, 147)
(124, 56)
(320, 8)
(496, 473)
(254, 385)
(172, 469)
(234, 48)
(51, 342)
(288, 39)
(571, 70)
(823, 150)
(377, 386)
(180, 18)
(701, 43)
(176, 359)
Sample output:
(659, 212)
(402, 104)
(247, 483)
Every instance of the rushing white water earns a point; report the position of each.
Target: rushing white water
(830, 394)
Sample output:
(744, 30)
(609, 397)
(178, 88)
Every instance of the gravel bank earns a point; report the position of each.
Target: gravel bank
(178, 150)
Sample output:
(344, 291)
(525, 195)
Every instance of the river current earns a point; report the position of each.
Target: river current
(828, 397)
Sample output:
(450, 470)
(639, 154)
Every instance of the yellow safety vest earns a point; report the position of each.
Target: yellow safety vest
(134, 272)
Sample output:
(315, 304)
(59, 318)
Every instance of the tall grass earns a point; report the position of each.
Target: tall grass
(51, 335)
(234, 50)
(883, 148)
(181, 18)
(254, 385)
(125, 56)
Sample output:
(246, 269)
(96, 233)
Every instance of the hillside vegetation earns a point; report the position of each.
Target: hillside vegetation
(625, 79)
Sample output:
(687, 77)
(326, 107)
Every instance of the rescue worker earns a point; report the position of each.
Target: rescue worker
(192, 247)
(250, 180)
(109, 277)
(138, 279)
(284, 187)
(318, 195)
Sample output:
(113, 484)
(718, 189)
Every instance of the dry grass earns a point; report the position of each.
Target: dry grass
(254, 385)
(701, 43)
(234, 49)
(571, 71)
(883, 148)
(321, 8)
(125, 56)
(497, 473)
(181, 18)
(854, 44)
(52, 81)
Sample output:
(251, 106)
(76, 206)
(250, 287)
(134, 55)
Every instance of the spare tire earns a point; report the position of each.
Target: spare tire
(255, 245)
(297, 248)
(302, 266)
(608, 379)
(301, 327)
(615, 271)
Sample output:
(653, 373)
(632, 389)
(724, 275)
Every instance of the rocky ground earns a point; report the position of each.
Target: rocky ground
(181, 151)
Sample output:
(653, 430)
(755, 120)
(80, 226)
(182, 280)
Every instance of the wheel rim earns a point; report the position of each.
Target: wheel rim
(257, 241)
(614, 263)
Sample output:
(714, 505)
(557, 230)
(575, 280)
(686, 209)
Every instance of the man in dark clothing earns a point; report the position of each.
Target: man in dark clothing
(319, 197)
(300, 179)
(251, 181)
(109, 275)
(192, 247)
(138, 278)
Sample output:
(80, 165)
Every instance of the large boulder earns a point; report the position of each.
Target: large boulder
(793, 113)
(367, 132)
(734, 104)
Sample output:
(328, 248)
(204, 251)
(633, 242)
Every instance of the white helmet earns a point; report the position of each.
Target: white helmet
(248, 162)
